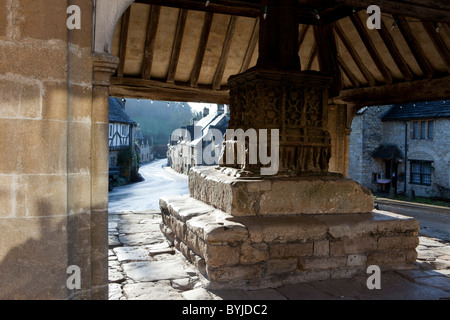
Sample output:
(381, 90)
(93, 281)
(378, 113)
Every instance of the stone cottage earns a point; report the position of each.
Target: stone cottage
(199, 143)
(404, 148)
(122, 130)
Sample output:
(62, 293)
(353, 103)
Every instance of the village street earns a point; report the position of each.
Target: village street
(159, 181)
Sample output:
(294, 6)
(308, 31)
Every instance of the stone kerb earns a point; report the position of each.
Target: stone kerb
(273, 250)
(326, 194)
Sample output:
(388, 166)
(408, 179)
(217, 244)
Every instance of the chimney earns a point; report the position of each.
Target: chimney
(205, 111)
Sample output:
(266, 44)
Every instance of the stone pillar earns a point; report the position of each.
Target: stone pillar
(103, 68)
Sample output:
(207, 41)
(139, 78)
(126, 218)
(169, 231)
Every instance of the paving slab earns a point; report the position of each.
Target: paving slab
(132, 254)
(144, 271)
(160, 290)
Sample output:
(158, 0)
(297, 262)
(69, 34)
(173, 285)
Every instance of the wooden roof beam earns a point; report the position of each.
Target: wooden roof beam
(195, 73)
(218, 75)
(438, 42)
(414, 46)
(182, 16)
(363, 34)
(395, 53)
(413, 91)
(355, 56)
(150, 41)
(123, 41)
(348, 72)
(251, 47)
(161, 90)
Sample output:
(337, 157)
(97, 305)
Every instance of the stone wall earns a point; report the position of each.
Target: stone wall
(367, 133)
(54, 159)
(271, 251)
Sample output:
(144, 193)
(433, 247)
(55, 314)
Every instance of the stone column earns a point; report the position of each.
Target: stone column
(104, 66)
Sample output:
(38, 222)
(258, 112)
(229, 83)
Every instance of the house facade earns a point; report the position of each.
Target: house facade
(200, 143)
(403, 149)
(122, 132)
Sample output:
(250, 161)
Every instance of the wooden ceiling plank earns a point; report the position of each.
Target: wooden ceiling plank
(123, 41)
(437, 42)
(182, 16)
(355, 56)
(302, 35)
(414, 46)
(195, 73)
(395, 53)
(251, 47)
(363, 34)
(348, 72)
(150, 41)
(218, 75)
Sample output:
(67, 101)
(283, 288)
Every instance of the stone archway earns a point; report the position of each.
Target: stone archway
(107, 14)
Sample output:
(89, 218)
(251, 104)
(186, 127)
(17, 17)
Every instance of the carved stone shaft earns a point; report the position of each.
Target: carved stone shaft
(295, 103)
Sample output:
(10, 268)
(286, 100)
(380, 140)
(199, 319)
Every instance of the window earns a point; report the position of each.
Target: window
(430, 130)
(421, 172)
(423, 130)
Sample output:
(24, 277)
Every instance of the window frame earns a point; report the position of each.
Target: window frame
(420, 130)
(424, 176)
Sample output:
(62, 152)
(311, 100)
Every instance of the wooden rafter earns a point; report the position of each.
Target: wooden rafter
(355, 56)
(302, 35)
(414, 46)
(363, 34)
(123, 41)
(438, 43)
(218, 75)
(150, 41)
(251, 47)
(182, 16)
(311, 57)
(394, 52)
(201, 49)
(348, 72)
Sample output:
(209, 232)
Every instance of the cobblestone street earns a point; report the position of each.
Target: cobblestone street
(144, 266)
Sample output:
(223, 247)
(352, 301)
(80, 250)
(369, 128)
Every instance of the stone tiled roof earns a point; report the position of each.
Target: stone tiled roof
(418, 110)
(117, 113)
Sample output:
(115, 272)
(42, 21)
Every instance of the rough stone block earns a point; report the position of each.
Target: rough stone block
(321, 248)
(287, 250)
(283, 228)
(317, 263)
(281, 266)
(360, 245)
(218, 256)
(356, 260)
(330, 194)
(244, 272)
(21, 98)
(397, 242)
(252, 253)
